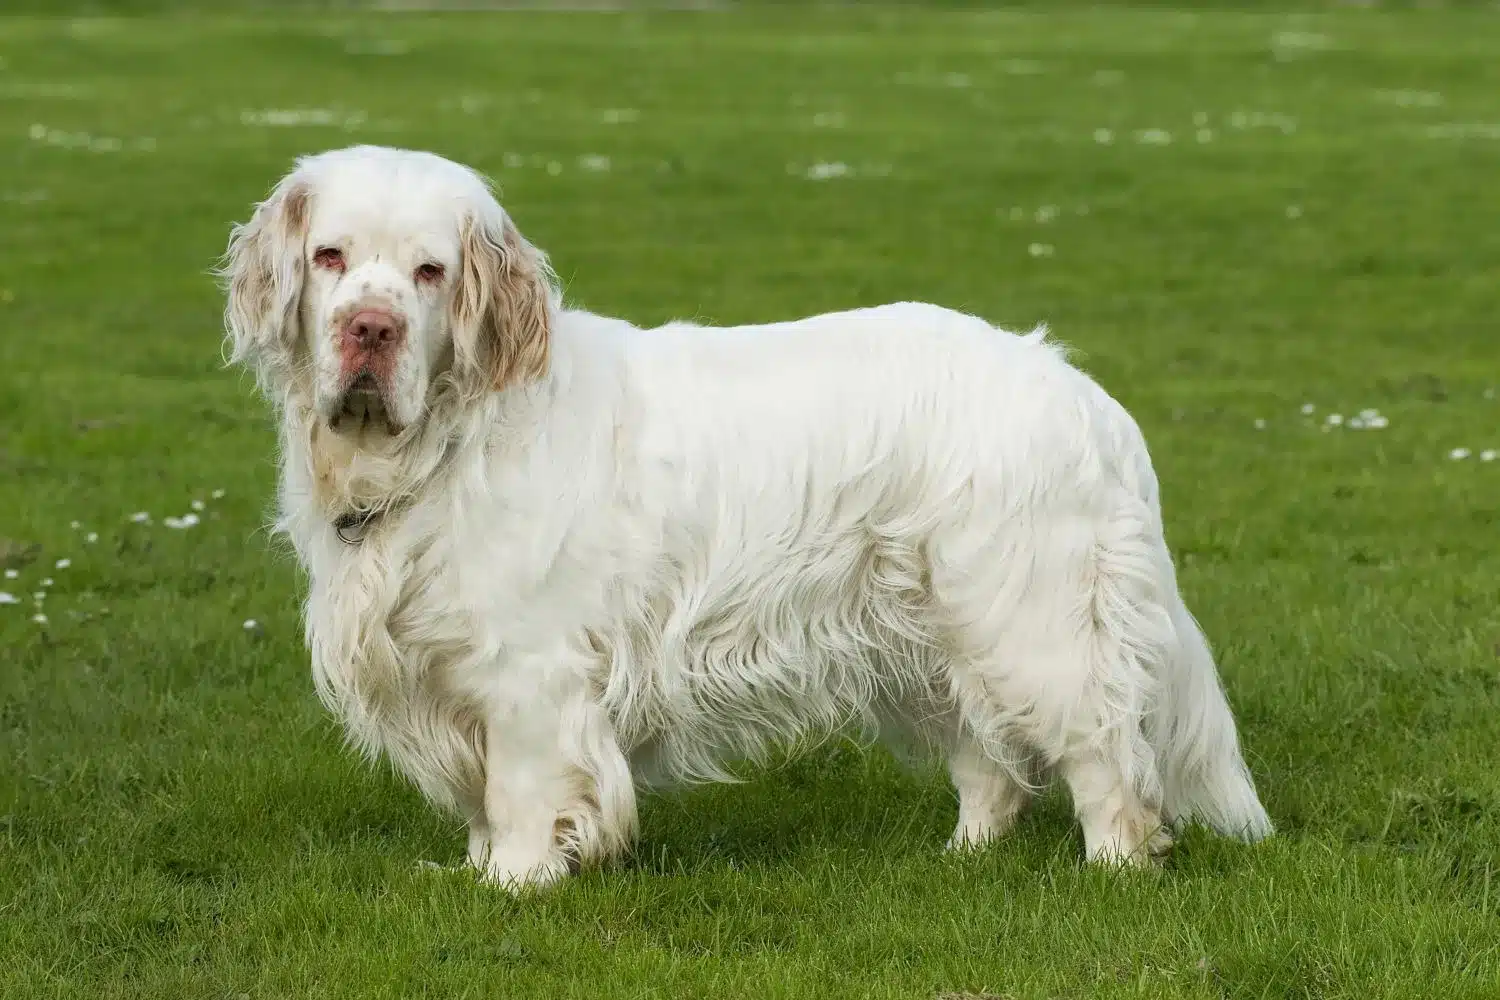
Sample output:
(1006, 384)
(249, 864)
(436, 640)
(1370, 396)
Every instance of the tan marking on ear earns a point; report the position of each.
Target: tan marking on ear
(294, 211)
(263, 271)
(522, 315)
(503, 308)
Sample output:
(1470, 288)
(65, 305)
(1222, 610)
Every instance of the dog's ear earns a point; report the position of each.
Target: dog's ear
(262, 274)
(502, 309)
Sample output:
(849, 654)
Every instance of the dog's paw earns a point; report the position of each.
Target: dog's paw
(517, 868)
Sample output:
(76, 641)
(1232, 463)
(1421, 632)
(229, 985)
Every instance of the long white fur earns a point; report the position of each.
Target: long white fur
(684, 546)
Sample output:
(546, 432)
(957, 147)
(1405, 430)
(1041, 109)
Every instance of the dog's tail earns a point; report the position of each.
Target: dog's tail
(1189, 726)
(1204, 776)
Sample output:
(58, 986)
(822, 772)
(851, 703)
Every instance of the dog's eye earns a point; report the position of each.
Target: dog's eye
(330, 258)
(430, 273)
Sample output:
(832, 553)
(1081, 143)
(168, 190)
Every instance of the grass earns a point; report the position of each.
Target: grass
(178, 817)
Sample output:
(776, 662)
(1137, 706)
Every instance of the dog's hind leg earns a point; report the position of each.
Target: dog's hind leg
(1058, 647)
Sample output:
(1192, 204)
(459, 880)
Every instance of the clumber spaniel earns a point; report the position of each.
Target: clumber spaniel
(552, 554)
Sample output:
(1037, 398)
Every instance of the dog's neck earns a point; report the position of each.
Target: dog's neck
(349, 472)
(349, 482)
(332, 479)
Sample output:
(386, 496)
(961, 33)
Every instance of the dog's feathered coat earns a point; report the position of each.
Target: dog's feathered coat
(600, 552)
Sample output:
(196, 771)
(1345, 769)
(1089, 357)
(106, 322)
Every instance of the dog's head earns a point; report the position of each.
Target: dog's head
(373, 278)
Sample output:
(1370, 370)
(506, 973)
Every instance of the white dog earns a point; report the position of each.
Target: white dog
(551, 553)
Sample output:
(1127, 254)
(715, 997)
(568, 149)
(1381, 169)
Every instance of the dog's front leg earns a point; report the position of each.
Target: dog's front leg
(479, 837)
(558, 791)
(525, 792)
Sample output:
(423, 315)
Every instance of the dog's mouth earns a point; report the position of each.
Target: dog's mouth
(362, 408)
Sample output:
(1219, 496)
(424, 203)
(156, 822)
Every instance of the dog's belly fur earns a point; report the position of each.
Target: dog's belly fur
(835, 638)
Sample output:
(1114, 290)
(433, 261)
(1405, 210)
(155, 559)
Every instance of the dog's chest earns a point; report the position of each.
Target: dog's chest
(386, 631)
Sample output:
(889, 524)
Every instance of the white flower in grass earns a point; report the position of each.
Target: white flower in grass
(197, 505)
(1308, 409)
(39, 596)
(1334, 419)
(47, 581)
(1260, 424)
(1103, 136)
(91, 537)
(74, 525)
(64, 563)
(1046, 214)
(217, 494)
(39, 618)
(8, 598)
(825, 171)
(1489, 455)
(1458, 454)
(1040, 249)
(12, 574)
(178, 523)
(1368, 419)
(141, 517)
(251, 625)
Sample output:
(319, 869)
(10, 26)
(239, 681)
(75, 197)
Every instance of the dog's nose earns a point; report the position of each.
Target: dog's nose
(371, 329)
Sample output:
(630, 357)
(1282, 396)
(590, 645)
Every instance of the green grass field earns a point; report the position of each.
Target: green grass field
(1229, 215)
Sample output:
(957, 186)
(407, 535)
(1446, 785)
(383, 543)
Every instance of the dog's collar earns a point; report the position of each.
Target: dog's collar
(350, 526)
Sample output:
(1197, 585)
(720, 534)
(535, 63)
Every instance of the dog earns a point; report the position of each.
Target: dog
(552, 556)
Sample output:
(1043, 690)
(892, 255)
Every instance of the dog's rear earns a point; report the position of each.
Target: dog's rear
(1190, 727)
(1204, 777)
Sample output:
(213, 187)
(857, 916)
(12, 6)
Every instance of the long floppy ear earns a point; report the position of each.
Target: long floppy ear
(502, 310)
(262, 273)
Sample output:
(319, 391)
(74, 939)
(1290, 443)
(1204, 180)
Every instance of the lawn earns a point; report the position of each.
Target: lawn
(1254, 228)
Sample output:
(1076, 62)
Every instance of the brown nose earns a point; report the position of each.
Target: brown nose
(371, 329)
